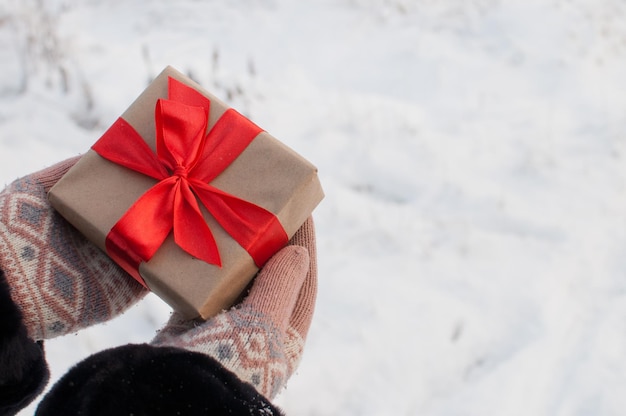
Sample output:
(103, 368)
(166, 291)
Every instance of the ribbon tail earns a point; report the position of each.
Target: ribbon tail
(257, 230)
(139, 233)
(191, 232)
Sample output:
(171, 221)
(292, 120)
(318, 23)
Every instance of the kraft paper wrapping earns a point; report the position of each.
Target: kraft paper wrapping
(95, 194)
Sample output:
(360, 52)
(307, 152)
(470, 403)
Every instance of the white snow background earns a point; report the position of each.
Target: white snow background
(472, 240)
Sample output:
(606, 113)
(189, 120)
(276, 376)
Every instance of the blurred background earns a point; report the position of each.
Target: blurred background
(472, 239)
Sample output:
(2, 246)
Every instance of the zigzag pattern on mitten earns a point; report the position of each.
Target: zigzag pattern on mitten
(60, 281)
(244, 342)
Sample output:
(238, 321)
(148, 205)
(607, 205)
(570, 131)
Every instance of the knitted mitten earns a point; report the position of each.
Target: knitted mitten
(60, 281)
(261, 340)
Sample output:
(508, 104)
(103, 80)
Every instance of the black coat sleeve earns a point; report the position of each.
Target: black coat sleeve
(23, 369)
(146, 380)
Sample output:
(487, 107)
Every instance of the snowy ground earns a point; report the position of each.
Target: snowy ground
(473, 155)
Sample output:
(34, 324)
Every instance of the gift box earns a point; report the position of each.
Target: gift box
(187, 195)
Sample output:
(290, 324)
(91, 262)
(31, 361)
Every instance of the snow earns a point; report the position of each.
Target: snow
(472, 152)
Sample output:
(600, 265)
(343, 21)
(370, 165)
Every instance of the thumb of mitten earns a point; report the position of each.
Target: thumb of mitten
(276, 288)
(273, 296)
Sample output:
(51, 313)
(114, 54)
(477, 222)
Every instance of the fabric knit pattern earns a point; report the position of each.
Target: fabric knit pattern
(59, 280)
(245, 342)
(262, 339)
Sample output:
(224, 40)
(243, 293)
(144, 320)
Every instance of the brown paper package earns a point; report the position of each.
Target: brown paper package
(95, 194)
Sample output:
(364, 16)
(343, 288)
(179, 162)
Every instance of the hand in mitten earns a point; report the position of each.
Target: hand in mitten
(228, 365)
(60, 281)
(262, 339)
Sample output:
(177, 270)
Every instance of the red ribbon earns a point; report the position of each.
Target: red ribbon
(186, 161)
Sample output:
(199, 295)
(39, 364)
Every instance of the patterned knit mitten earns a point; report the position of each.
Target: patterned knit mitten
(262, 339)
(59, 280)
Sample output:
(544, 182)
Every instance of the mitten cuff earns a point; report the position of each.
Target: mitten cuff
(147, 380)
(23, 369)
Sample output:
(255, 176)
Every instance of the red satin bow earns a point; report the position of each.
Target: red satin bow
(186, 161)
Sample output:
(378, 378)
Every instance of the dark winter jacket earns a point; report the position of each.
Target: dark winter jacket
(128, 380)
